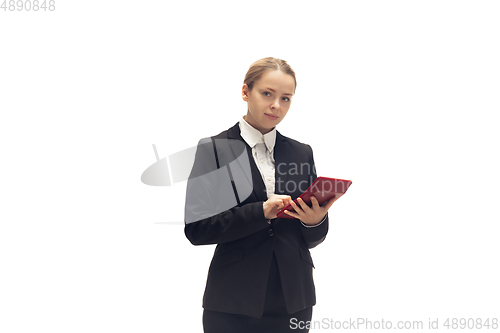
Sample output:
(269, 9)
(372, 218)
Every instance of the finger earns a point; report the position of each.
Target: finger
(330, 203)
(315, 203)
(297, 208)
(292, 214)
(302, 204)
(282, 204)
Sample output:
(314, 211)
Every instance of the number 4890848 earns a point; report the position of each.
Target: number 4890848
(28, 5)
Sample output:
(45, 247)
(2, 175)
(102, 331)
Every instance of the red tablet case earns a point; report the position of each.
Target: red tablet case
(323, 189)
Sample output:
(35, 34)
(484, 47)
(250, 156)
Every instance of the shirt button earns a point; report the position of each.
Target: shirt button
(271, 232)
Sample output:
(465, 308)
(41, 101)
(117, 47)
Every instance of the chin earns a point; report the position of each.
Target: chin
(276, 122)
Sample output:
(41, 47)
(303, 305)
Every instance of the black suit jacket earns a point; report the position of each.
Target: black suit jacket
(238, 274)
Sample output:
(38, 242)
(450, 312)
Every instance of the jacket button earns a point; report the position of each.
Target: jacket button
(271, 232)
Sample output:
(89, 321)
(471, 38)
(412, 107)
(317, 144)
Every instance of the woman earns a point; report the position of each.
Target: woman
(260, 278)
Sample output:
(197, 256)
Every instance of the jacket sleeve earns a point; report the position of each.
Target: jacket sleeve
(314, 235)
(212, 215)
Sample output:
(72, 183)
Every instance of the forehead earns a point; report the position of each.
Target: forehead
(278, 81)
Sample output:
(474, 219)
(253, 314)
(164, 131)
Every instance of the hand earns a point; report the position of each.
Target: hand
(310, 215)
(274, 204)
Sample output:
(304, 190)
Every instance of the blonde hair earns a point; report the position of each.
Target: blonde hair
(262, 65)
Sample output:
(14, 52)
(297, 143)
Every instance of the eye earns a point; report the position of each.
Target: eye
(267, 92)
(286, 99)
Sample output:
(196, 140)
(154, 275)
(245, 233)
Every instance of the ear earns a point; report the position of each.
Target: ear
(244, 92)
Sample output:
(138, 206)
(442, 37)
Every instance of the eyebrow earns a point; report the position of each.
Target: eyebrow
(275, 91)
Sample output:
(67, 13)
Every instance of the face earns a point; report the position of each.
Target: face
(269, 100)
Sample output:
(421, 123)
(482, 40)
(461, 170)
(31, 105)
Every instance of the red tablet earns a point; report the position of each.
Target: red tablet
(323, 189)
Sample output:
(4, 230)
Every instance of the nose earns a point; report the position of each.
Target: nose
(276, 104)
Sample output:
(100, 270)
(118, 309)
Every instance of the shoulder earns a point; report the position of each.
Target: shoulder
(294, 144)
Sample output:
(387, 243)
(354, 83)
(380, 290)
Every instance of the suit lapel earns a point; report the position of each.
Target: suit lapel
(259, 188)
(281, 164)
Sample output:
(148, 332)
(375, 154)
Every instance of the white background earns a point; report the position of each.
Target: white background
(401, 97)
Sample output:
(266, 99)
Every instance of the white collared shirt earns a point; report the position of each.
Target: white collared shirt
(262, 151)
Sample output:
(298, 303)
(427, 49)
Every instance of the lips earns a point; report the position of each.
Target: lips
(270, 116)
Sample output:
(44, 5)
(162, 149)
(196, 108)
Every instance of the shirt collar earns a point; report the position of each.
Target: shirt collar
(252, 135)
